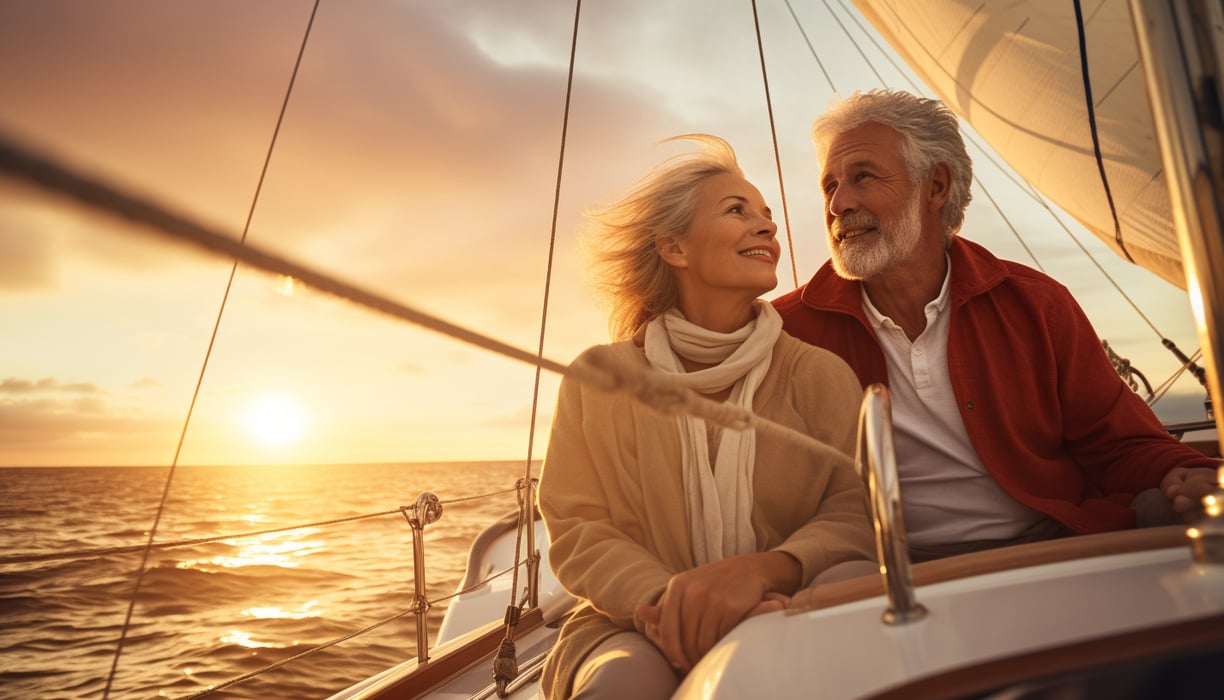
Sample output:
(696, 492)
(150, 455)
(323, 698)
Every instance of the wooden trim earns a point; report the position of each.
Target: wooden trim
(995, 560)
(1201, 636)
(450, 661)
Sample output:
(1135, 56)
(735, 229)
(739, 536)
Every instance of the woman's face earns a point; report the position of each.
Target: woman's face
(730, 244)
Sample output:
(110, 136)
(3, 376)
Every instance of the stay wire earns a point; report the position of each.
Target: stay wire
(161, 507)
(811, 49)
(552, 247)
(505, 666)
(773, 133)
(855, 43)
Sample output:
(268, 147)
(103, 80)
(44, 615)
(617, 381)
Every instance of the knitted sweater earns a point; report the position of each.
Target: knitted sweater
(612, 495)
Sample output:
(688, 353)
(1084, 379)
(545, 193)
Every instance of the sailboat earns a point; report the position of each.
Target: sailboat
(340, 161)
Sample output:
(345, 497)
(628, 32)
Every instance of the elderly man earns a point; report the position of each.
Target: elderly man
(1010, 423)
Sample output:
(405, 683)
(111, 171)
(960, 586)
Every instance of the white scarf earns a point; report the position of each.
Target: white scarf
(719, 499)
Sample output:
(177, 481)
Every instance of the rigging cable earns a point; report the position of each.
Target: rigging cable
(853, 43)
(811, 48)
(773, 133)
(109, 551)
(505, 663)
(161, 507)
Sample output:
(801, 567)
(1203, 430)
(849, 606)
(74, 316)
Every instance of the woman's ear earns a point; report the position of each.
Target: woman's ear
(672, 252)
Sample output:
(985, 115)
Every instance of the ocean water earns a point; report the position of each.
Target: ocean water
(210, 612)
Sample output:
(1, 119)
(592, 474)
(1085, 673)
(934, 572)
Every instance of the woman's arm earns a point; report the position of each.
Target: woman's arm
(590, 552)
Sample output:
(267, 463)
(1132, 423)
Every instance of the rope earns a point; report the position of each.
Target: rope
(773, 133)
(44, 172)
(52, 176)
(161, 506)
(1168, 383)
(505, 664)
(665, 394)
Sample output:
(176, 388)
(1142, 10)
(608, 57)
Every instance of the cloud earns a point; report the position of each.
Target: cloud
(24, 386)
(58, 432)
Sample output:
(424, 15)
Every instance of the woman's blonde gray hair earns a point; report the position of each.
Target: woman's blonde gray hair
(930, 134)
(622, 239)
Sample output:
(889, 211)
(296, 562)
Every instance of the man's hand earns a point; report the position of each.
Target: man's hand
(1185, 489)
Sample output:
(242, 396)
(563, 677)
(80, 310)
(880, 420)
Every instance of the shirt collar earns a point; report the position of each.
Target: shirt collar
(934, 308)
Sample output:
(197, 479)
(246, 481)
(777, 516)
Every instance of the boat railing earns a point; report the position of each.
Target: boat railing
(425, 511)
(876, 461)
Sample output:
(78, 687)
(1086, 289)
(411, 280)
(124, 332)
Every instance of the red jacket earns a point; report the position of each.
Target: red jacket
(1049, 416)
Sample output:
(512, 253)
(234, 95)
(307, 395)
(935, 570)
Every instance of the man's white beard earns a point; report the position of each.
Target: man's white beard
(855, 261)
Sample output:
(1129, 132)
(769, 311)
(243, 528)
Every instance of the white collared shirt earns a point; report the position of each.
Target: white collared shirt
(946, 493)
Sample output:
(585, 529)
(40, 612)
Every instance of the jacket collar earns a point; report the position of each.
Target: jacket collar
(975, 270)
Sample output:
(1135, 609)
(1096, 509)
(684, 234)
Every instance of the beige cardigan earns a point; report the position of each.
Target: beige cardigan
(613, 500)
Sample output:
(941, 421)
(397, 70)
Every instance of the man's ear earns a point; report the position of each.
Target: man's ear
(672, 251)
(939, 185)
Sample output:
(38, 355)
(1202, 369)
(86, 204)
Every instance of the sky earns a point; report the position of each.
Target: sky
(418, 158)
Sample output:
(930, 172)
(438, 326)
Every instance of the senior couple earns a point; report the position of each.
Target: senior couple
(1010, 423)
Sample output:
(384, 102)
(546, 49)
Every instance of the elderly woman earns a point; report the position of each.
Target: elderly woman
(672, 530)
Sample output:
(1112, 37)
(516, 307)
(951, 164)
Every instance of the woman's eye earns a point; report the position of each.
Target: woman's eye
(736, 209)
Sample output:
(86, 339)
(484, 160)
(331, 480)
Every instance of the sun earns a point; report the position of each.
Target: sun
(275, 420)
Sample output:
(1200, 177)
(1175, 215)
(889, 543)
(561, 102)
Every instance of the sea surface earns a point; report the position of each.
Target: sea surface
(207, 613)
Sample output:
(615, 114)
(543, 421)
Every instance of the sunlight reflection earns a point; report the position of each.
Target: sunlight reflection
(281, 549)
(303, 612)
(243, 639)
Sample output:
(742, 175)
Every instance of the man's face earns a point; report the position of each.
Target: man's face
(873, 211)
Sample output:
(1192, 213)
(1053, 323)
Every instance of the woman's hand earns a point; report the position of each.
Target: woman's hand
(700, 606)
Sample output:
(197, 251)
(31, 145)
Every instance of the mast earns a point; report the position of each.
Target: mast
(1181, 46)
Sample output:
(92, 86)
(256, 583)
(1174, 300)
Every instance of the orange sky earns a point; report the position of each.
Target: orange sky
(418, 158)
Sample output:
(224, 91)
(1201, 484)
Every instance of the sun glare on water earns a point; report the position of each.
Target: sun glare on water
(275, 420)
